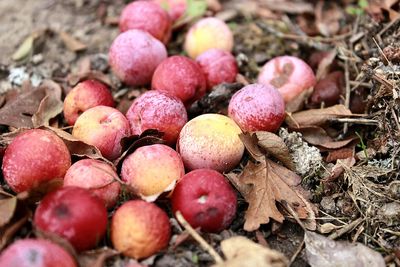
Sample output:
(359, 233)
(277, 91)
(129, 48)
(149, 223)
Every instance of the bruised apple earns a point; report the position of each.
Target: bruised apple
(34, 157)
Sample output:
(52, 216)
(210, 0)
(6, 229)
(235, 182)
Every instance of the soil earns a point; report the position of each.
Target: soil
(261, 32)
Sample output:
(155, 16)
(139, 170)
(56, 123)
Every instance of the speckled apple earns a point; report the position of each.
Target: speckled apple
(152, 170)
(134, 55)
(290, 75)
(210, 141)
(136, 16)
(34, 157)
(219, 66)
(96, 176)
(181, 77)
(208, 33)
(160, 111)
(140, 229)
(75, 214)
(35, 253)
(102, 127)
(257, 107)
(85, 95)
(205, 199)
(175, 8)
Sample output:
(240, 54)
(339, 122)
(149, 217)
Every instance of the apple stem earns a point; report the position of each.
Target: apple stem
(207, 247)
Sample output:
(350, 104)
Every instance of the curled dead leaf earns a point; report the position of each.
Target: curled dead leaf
(242, 252)
(50, 106)
(7, 209)
(71, 42)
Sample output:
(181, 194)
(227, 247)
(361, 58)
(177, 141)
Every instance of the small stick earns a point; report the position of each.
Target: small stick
(198, 238)
(296, 253)
(347, 97)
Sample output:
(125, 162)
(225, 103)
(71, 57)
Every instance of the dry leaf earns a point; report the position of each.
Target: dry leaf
(71, 43)
(342, 153)
(96, 258)
(322, 251)
(7, 209)
(338, 169)
(313, 117)
(27, 46)
(77, 147)
(7, 232)
(242, 252)
(264, 183)
(317, 136)
(73, 79)
(325, 64)
(50, 106)
(327, 17)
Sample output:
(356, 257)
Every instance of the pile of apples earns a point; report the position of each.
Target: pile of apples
(187, 168)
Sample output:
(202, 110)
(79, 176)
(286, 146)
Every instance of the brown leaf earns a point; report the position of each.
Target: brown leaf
(317, 136)
(7, 232)
(73, 79)
(7, 209)
(96, 258)
(324, 65)
(77, 147)
(327, 17)
(338, 169)
(322, 251)
(242, 252)
(342, 153)
(317, 116)
(264, 183)
(71, 43)
(50, 106)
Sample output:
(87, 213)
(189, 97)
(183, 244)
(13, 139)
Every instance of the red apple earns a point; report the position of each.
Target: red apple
(96, 176)
(205, 200)
(34, 157)
(257, 107)
(85, 95)
(35, 253)
(210, 141)
(160, 111)
(75, 214)
(136, 16)
(208, 33)
(219, 66)
(152, 170)
(140, 229)
(181, 77)
(290, 75)
(175, 8)
(134, 55)
(102, 127)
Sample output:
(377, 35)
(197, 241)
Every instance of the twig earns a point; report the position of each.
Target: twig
(346, 229)
(356, 120)
(347, 96)
(198, 238)
(297, 252)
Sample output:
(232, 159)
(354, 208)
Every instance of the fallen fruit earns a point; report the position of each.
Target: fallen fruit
(134, 55)
(85, 95)
(219, 66)
(210, 141)
(181, 77)
(175, 8)
(160, 111)
(257, 107)
(35, 253)
(75, 214)
(205, 200)
(102, 127)
(137, 15)
(140, 229)
(152, 170)
(96, 176)
(208, 33)
(290, 75)
(34, 157)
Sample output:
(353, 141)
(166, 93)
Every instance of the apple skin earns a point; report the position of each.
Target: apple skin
(75, 214)
(181, 77)
(205, 199)
(102, 127)
(34, 157)
(140, 229)
(151, 170)
(160, 111)
(175, 8)
(219, 66)
(96, 176)
(290, 75)
(257, 107)
(136, 16)
(210, 141)
(208, 33)
(134, 55)
(35, 253)
(85, 95)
